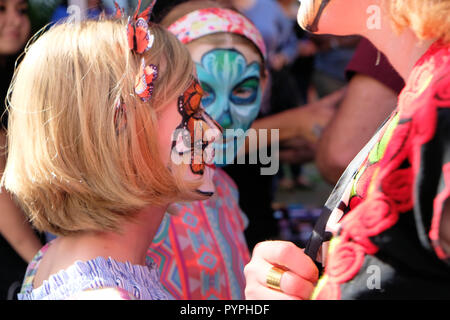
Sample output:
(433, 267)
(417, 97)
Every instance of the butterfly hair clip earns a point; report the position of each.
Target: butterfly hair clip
(143, 86)
(119, 11)
(140, 40)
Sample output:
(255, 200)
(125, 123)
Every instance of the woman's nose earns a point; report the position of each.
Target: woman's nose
(225, 120)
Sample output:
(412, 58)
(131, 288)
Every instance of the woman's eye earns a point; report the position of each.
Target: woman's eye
(23, 11)
(22, 8)
(206, 95)
(209, 95)
(246, 92)
(243, 93)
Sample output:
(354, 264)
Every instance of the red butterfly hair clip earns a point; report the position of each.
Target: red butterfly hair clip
(119, 11)
(140, 40)
(144, 81)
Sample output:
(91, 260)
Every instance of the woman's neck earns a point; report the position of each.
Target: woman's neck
(403, 51)
(130, 245)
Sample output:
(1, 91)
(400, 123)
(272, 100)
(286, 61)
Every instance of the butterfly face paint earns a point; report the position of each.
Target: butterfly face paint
(232, 95)
(194, 134)
(310, 12)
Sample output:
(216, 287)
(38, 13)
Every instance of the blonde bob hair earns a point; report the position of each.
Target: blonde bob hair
(429, 19)
(67, 166)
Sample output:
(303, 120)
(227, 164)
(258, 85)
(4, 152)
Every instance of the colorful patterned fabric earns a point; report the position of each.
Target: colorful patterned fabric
(127, 281)
(214, 20)
(201, 252)
(388, 244)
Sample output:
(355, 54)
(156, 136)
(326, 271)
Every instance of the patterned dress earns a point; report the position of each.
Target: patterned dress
(388, 245)
(127, 281)
(201, 252)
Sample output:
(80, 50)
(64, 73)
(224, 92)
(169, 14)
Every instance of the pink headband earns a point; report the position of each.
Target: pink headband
(203, 22)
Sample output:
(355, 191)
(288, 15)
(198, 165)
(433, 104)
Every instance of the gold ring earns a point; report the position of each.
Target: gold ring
(274, 277)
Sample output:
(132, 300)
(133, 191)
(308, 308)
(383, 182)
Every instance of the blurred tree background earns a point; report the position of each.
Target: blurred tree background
(41, 11)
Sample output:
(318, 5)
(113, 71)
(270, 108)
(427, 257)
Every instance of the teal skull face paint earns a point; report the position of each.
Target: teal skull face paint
(232, 95)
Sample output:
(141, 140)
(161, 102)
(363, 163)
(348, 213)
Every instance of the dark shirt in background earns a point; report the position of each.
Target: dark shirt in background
(368, 61)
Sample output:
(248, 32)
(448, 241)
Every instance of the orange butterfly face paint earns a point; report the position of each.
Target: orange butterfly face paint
(192, 134)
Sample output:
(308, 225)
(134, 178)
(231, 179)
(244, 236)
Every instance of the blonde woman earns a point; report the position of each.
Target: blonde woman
(92, 122)
(391, 230)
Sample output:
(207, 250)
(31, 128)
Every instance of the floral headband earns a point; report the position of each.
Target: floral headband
(203, 22)
(140, 40)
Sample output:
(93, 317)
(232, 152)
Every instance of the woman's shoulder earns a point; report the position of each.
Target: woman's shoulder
(32, 268)
(99, 278)
(103, 294)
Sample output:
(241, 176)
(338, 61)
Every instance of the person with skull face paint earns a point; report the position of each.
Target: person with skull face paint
(202, 250)
(390, 225)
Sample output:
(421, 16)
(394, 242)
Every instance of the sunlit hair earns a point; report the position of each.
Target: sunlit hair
(185, 8)
(429, 19)
(67, 166)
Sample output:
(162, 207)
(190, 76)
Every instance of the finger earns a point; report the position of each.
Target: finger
(294, 285)
(289, 255)
(290, 284)
(263, 293)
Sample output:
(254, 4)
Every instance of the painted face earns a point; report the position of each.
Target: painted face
(232, 96)
(14, 26)
(310, 12)
(194, 136)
